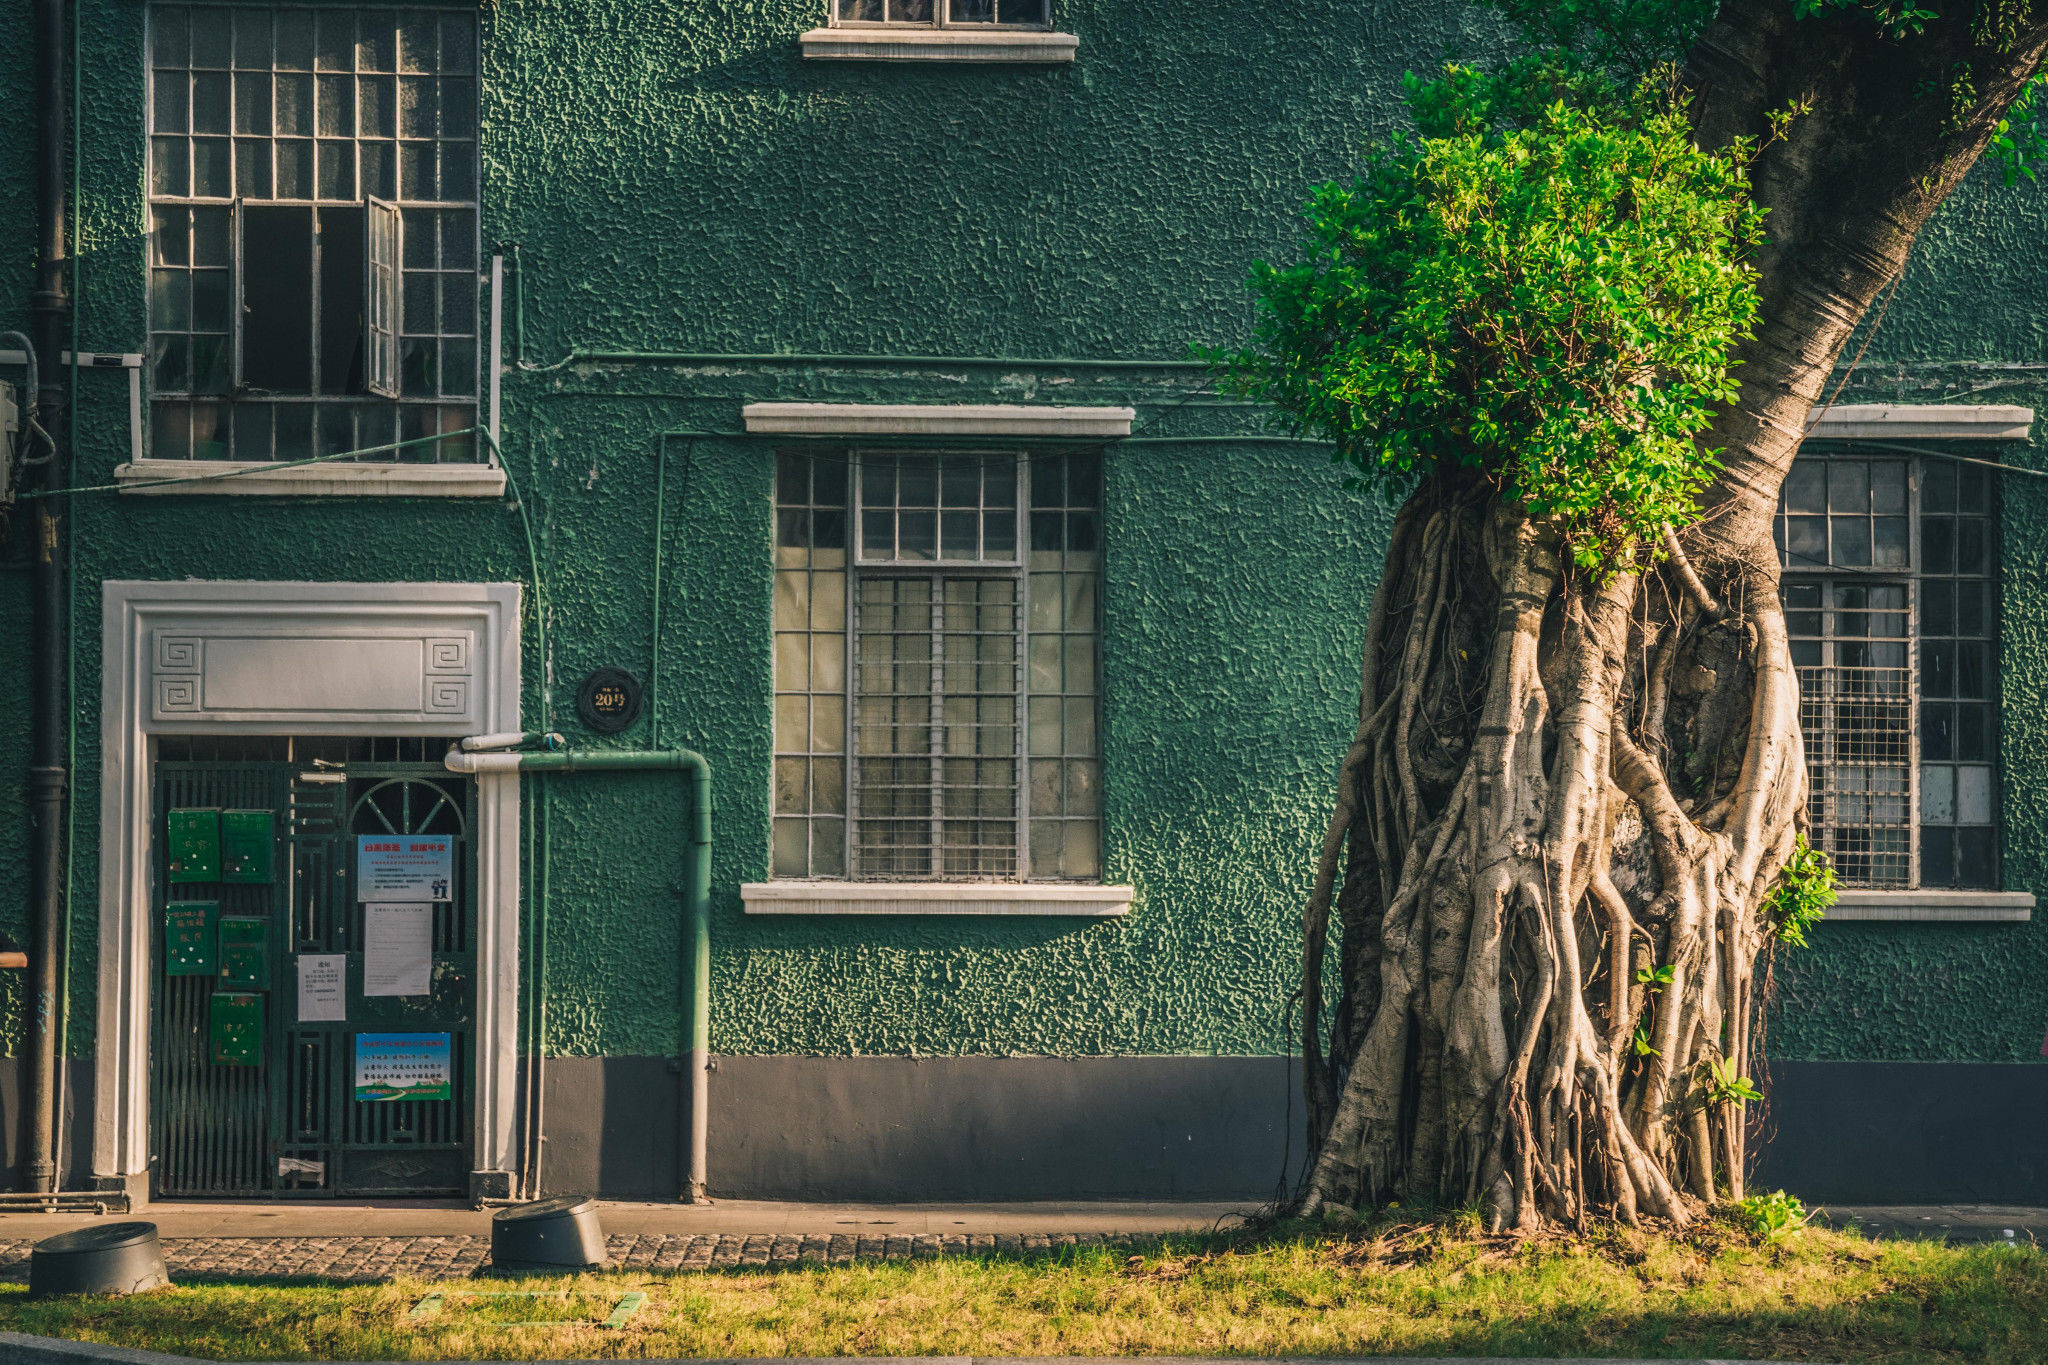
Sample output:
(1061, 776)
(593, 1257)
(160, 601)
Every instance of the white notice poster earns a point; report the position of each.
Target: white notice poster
(322, 979)
(398, 947)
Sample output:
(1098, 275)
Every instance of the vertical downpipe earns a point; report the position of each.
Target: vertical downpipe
(697, 1013)
(49, 307)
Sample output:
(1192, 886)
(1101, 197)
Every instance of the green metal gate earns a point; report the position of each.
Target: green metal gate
(249, 1095)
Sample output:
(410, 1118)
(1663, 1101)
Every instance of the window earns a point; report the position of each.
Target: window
(313, 244)
(984, 14)
(936, 675)
(1890, 591)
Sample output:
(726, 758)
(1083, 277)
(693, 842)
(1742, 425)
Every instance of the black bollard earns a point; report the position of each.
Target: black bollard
(554, 1234)
(120, 1258)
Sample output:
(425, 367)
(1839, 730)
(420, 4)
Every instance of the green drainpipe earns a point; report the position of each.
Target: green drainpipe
(696, 769)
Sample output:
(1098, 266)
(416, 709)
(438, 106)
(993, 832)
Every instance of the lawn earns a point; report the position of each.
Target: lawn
(1432, 1290)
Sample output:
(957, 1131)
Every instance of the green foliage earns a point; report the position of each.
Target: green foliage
(1655, 978)
(2018, 143)
(1774, 1216)
(1723, 1085)
(1546, 284)
(1640, 1041)
(1896, 19)
(1805, 890)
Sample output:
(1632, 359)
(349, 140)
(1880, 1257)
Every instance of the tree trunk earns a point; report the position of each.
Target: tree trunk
(1557, 786)
(1568, 798)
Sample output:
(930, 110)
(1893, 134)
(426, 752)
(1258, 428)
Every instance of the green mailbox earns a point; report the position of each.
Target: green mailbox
(189, 937)
(235, 1025)
(244, 953)
(194, 837)
(246, 839)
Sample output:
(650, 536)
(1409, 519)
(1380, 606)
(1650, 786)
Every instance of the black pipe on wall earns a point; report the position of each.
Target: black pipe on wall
(50, 308)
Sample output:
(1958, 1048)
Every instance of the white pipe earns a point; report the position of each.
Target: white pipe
(460, 762)
(503, 739)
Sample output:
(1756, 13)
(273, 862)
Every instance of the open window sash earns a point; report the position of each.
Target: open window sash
(383, 231)
(237, 296)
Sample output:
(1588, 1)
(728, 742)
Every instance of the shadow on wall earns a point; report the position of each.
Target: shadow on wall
(1906, 1132)
(904, 1129)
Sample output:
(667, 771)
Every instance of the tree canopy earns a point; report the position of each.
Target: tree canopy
(1545, 281)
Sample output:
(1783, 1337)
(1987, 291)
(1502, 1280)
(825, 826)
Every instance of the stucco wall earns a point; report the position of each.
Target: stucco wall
(678, 178)
(1966, 326)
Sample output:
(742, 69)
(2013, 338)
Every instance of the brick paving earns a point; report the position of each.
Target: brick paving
(372, 1260)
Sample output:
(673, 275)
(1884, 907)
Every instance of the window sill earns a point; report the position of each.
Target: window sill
(1921, 422)
(236, 478)
(937, 419)
(938, 45)
(936, 898)
(1934, 907)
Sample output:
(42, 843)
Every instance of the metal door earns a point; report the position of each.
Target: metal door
(285, 1119)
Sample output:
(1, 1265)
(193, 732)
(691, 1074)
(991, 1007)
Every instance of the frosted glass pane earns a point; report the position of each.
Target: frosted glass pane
(1973, 796)
(1079, 856)
(828, 724)
(1937, 793)
(828, 601)
(792, 601)
(793, 723)
(790, 848)
(792, 661)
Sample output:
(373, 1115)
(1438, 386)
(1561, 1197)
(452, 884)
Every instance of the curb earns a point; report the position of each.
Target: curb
(18, 1348)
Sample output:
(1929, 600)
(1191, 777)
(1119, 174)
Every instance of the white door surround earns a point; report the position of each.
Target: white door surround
(254, 658)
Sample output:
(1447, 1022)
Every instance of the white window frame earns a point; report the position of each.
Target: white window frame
(1913, 576)
(860, 565)
(443, 410)
(942, 18)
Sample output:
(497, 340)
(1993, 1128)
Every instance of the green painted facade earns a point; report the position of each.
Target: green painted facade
(678, 178)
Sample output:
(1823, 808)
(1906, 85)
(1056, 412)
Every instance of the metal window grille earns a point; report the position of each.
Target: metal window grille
(956, 738)
(979, 14)
(305, 118)
(1890, 595)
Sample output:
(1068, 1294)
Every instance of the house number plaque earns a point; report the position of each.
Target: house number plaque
(609, 700)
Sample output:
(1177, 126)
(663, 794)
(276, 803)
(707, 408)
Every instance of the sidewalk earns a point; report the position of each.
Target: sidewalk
(426, 1218)
(382, 1240)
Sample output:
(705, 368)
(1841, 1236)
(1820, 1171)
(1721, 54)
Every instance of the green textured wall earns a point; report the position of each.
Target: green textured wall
(1967, 327)
(678, 177)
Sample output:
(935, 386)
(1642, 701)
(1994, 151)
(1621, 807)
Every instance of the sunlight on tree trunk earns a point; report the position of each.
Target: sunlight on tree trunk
(1570, 823)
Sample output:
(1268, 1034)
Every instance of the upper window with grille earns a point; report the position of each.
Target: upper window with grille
(936, 676)
(969, 14)
(1891, 596)
(313, 262)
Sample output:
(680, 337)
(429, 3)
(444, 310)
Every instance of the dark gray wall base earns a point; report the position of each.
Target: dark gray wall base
(901, 1129)
(1906, 1132)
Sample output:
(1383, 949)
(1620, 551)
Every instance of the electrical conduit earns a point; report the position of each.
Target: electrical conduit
(474, 756)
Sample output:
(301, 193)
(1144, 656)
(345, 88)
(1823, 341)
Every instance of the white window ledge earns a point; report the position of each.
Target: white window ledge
(935, 898)
(239, 478)
(913, 44)
(936, 419)
(1921, 422)
(1941, 907)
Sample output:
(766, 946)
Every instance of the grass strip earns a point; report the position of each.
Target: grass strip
(1419, 1289)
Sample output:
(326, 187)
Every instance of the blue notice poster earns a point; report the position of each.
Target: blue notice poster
(404, 867)
(403, 1066)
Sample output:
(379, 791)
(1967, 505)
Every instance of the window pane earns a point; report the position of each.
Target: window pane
(1850, 642)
